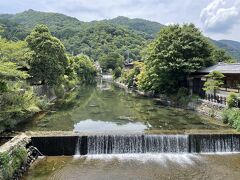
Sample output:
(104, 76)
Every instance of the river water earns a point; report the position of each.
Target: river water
(138, 167)
(104, 108)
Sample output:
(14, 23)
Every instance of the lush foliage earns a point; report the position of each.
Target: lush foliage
(11, 162)
(94, 39)
(148, 27)
(16, 98)
(18, 26)
(99, 39)
(111, 61)
(219, 55)
(232, 47)
(131, 77)
(233, 100)
(174, 54)
(231, 116)
(49, 61)
(214, 81)
(84, 68)
(42, 60)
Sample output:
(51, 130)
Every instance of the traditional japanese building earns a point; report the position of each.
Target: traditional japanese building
(231, 79)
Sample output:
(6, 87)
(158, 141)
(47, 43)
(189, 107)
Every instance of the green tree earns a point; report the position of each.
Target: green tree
(84, 68)
(173, 55)
(17, 100)
(232, 100)
(111, 61)
(214, 81)
(131, 76)
(219, 55)
(49, 61)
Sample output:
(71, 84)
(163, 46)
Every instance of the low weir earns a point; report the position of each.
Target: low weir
(122, 144)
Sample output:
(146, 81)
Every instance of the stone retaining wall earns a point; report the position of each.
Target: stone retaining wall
(211, 109)
(13, 155)
(204, 107)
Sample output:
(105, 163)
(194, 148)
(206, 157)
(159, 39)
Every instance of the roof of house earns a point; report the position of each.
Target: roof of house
(223, 68)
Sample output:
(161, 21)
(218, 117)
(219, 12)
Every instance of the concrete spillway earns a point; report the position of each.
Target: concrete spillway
(122, 144)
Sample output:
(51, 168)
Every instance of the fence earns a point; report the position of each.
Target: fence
(216, 99)
(219, 99)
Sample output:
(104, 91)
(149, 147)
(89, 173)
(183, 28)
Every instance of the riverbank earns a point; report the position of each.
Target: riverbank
(105, 108)
(198, 105)
(48, 102)
(16, 157)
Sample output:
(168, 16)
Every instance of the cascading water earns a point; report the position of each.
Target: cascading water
(117, 144)
(137, 144)
(77, 149)
(214, 143)
(123, 144)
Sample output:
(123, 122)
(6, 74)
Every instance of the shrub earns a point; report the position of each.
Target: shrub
(117, 72)
(59, 91)
(129, 77)
(232, 117)
(183, 96)
(232, 100)
(10, 162)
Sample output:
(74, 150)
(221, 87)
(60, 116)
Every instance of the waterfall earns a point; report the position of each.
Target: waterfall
(77, 149)
(214, 143)
(122, 144)
(117, 144)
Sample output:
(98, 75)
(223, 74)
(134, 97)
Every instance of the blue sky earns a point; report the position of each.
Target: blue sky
(219, 19)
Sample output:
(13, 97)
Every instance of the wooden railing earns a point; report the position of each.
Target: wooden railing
(216, 99)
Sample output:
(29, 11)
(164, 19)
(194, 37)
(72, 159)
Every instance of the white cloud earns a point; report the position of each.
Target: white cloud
(221, 15)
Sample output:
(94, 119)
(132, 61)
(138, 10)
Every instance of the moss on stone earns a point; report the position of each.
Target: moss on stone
(11, 162)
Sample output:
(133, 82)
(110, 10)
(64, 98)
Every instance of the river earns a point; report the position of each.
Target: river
(104, 108)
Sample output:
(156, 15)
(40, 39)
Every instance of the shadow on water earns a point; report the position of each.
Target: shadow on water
(104, 107)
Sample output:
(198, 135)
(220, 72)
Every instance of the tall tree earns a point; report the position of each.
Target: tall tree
(49, 61)
(84, 68)
(111, 61)
(17, 101)
(174, 54)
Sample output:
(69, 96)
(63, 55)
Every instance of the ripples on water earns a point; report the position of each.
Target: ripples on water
(111, 109)
(138, 166)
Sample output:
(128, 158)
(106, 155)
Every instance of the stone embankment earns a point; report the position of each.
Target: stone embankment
(201, 106)
(16, 157)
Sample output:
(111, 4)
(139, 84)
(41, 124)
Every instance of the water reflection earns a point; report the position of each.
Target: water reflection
(118, 111)
(90, 126)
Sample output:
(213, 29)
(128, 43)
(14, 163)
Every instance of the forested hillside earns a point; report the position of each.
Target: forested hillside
(149, 27)
(232, 47)
(97, 38)
(94, 39)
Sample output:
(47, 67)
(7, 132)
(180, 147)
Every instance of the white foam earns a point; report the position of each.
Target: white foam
(162, 158)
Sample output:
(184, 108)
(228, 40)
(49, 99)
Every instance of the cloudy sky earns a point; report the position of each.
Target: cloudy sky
(219, 19)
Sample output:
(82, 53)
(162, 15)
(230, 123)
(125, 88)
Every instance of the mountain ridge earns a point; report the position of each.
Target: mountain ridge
(66, 27)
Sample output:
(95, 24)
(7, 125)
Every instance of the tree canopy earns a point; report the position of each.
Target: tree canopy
(173, 55)
(111, 61)
(88, 37)
(84, 68)
(49, 61)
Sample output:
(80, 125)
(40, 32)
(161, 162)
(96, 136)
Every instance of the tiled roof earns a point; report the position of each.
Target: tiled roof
(223, 68)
